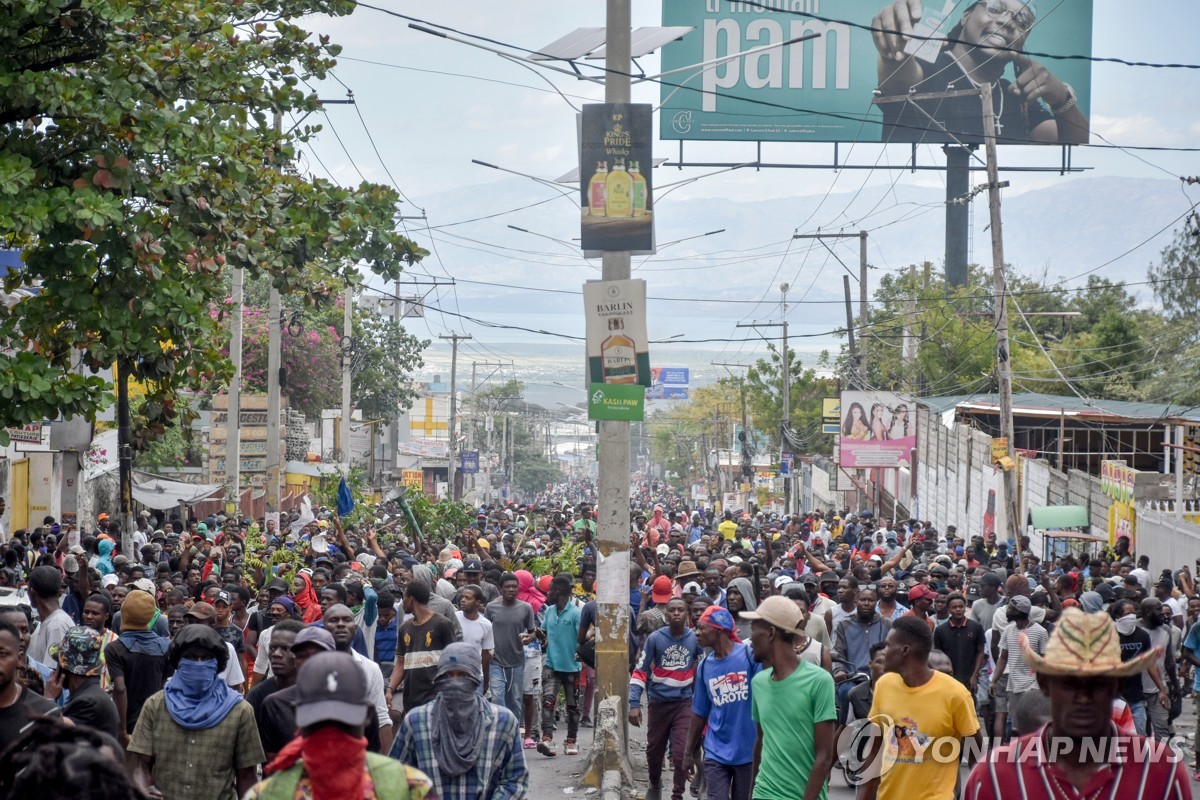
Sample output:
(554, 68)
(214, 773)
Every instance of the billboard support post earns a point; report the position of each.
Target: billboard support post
(958, 213)
(1003, 365)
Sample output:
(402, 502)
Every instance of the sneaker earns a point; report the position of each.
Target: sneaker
(546, 747)
(585, 722)
(530, 743)
(570, 748)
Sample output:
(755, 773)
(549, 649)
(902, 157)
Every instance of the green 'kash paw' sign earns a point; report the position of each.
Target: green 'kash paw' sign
(617, 401)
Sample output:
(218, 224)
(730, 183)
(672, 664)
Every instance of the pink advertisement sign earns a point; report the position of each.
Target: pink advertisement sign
(878, 430)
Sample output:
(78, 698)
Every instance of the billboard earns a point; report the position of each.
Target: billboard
(617, 201)
(824, 89)
(878, 429)
(618, 345)
(669, 383)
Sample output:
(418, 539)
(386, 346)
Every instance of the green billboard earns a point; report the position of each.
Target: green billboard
(869, 68)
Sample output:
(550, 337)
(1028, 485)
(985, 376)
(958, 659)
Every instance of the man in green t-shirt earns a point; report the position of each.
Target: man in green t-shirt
(792, 703)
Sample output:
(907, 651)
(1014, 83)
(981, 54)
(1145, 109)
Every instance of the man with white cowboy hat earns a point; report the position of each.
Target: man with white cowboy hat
(1080, 753)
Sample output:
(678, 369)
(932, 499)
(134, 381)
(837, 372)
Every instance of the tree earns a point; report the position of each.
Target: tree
(388, 354)
(1176, 277)
(139, 162)
(806, 390)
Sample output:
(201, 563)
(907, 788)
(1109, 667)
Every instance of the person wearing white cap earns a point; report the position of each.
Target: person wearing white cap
(792, 702)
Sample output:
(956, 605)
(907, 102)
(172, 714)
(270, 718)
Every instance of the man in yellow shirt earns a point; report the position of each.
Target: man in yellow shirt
(728, 527)
(924, 719)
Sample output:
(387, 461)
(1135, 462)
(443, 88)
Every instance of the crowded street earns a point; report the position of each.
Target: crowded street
(679, 400)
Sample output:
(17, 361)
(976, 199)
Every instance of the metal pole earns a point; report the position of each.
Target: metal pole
(233, 417)
(785, 374)
(1003, 365)
(612, 599)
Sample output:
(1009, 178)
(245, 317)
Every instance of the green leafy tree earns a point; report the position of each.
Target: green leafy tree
(1176, 276)
(806, 389)
(138, 162)
(388, 355)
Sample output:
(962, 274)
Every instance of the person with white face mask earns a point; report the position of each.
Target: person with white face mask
(1135, 641)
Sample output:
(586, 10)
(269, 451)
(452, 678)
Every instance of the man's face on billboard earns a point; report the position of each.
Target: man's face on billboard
(998, 24)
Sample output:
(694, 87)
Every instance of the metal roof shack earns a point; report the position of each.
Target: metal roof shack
(1077, 433)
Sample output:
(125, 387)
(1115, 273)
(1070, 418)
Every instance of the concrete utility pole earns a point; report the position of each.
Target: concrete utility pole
(394, 427)
(862, 290)
(609, 750)
(475, 411)
(1003, 365)
(455, 338)
(347, 373)
(233, 417)
(274, 348)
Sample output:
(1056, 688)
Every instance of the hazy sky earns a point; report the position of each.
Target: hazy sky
(432, 105)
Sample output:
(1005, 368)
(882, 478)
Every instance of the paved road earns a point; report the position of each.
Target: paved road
(559, 777)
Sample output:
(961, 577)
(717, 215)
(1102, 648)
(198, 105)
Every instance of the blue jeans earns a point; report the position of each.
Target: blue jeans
(505, 688)
(1138, 710)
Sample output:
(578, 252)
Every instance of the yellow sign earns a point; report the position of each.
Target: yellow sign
(1122, 521)
(413, 479)
(999, 448)
(831, 408)
(429, 423)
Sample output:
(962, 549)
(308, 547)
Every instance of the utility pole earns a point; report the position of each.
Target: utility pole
(455, 338)
(784, 391)
(1003, 365)
(612, 600)
(347, 373)
(862, 293)
(233, 416)
(394, 427)
(274, 348)
(475, 410)
(853, 380)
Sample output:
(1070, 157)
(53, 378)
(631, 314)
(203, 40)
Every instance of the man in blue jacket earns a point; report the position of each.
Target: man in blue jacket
(665, 672)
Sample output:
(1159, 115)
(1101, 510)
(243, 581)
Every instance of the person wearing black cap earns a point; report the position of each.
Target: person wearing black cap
(197, 737)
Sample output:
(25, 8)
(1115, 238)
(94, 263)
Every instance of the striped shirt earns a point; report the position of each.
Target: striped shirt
(1137, 767)
(666, 668)
(1020, 674)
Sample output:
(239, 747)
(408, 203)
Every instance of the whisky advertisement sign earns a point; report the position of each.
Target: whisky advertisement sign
(618, 348)
(615, 182)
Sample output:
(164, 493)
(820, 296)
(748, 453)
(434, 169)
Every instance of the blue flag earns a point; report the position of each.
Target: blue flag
(345, 500)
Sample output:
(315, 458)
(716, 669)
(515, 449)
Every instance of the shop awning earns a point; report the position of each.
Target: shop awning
(1053, 518)
(162, 494)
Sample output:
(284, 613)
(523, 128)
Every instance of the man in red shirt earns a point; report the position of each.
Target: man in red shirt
(1080, 753)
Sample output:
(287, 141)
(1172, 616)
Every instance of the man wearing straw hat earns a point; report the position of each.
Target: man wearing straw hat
(1080, 754)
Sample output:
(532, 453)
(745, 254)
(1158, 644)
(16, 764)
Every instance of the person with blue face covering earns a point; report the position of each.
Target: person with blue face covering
(196, 739)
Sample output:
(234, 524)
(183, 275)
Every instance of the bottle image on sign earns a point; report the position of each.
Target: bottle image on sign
(597, 190)
(639, 190)
(618, 355)
(619, 193)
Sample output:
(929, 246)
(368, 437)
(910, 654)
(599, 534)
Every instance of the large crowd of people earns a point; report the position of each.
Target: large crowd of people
(224, 658)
